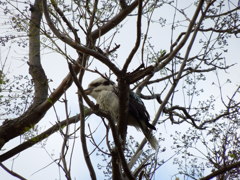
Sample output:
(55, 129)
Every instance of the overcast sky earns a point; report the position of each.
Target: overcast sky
(37, 163)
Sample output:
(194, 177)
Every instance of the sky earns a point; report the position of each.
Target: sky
(37, 163)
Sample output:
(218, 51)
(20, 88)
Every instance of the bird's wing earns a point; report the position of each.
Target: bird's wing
(138, 110)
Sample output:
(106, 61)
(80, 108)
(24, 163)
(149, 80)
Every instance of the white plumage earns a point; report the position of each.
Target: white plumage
(106, 94)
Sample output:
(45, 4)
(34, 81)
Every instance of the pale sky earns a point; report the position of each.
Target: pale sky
(36, 163)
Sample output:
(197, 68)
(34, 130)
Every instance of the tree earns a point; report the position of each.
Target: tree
(174, 73)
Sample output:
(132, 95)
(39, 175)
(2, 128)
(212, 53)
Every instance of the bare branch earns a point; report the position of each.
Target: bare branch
(12, 172)
(223, 14)
(123, 4)
(82, 120)
(19, 125)
(114, 21)
(221, 171)
(181, 68)
(59, 11)
(185, 59)
(185, 38)
(76, 45)
(92, 20)
(29, 143)
(138, 38)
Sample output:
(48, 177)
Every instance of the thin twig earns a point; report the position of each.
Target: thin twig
(12, 172)
(138, 38)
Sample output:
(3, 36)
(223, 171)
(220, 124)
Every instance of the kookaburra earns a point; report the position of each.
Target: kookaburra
(106, 94)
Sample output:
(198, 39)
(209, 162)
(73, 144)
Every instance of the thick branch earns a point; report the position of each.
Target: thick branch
(123, 88)
(13, 128)
(16, 127)
(35, 68)
(123, 4)
(116, 170)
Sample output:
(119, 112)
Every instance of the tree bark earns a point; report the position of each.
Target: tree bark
(13, 128)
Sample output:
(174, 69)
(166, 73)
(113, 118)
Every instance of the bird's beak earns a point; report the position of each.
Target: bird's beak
(88, 91)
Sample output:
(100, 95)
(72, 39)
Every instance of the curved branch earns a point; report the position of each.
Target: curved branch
(13, 128)
(185, 38)
(16, 127)
(223, 14)
(104, 59)
(114, 21)
(84, 142)
(35, 67)
(192, 23)
(227, 30)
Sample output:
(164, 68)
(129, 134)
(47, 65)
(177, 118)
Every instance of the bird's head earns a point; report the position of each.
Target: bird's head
(99, 85)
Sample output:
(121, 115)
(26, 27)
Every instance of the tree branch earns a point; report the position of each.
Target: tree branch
(29, 143)
(82, 122)
(35, 68)
(114, 21)
(185, 38)
(77, 46)
(221, 171)
(138, 38)
(58, 10)
(169, 94)
(123, 4)
(15, 127)
(12, 172)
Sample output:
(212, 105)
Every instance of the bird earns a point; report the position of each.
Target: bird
(105, 92)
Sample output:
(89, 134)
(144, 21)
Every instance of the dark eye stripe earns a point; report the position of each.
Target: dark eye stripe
(95, 84)
(106, 83)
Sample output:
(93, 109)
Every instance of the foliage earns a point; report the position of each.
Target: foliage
(16, 95)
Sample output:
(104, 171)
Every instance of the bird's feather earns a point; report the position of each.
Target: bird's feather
(138, 110)
(106, 94)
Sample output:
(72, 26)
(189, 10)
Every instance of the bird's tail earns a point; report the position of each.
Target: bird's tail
(150, 137)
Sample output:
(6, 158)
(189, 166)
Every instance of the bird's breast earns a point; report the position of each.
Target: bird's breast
(108, 102)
